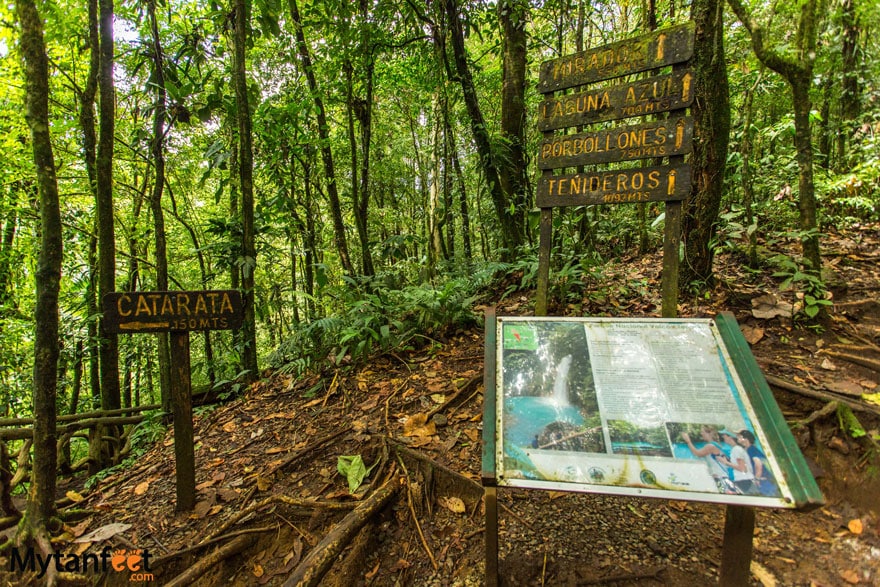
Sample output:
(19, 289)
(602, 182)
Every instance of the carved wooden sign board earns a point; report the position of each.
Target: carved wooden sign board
(178, 313)
(168, 311)
(648, 94)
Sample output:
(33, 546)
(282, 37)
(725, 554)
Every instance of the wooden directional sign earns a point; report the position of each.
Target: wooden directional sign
(663, 138)
(647, 96)
(657, 49)
(167, 311)
(620, 186)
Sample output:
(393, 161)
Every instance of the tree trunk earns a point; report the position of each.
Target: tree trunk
(803, 142)
(41, 498)
(513, 15)
(246, 179)
(512, 230)
(323, 132)
(157, 148)
(711, 112)
(746, 174)
(850, 96)
(109, 348)
(90, 142)
(799, 75)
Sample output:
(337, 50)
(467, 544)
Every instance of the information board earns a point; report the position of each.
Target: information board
(650, 407)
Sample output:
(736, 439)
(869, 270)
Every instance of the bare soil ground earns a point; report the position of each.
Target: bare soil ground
(270, 495)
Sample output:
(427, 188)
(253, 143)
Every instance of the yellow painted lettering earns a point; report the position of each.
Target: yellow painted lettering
(183, 304)
(127, 300)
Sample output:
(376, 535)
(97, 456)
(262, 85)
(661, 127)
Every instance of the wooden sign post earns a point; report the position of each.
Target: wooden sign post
(177, 312)
(666, 94)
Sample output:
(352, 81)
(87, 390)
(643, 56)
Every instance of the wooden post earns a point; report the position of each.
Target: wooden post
(544, 247)
(181, 402)
(490, 502)
(671, 244)
(736, 552)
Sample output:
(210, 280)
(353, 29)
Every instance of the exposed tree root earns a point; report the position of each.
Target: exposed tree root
(319, 559)
(857, 360)
(349, 572)
(165, 559)
(827, 410)
(444, 480)
(203, 565)
(820, 395)
(300, 503)
(467, 385)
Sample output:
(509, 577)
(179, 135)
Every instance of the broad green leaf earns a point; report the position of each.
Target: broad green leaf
(353, 469)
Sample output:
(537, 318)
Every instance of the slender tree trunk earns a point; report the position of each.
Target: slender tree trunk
(246, 176)
(746, 174)
(90, 145)
(711, 112)
(157, 148)
(798, 72)
(464, 210)
(7, 254)
(323, 131)
(109, 349)
(803, 142)
(435, 210)
(850, 97)
(512, 230)
(513, 15)
(41, 498)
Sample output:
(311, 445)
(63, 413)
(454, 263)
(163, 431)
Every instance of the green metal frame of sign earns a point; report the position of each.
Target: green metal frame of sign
(651, 51)
(806, 493)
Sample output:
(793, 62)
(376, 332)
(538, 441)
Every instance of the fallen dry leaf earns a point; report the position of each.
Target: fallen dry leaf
(845, 386)
(104, 532)
(763, 574)
(767, 306)
(74, 496)
(142, 488)
(418, 425)
(752, 334)
(850, 576)
(828, 365)
(453, 504)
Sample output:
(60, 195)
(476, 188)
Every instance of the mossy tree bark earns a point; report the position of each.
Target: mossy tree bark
(41, 498)
(711, 112)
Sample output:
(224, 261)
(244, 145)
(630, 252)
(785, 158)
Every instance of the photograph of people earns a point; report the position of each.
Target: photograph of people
(742, 473)
(766, 483)
(711, 451)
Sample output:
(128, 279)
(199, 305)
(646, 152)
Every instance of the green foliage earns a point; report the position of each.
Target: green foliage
(371, 319)
(354, 470)
(732, 232)
(849, 423)
(807, 283)
(144, 435)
